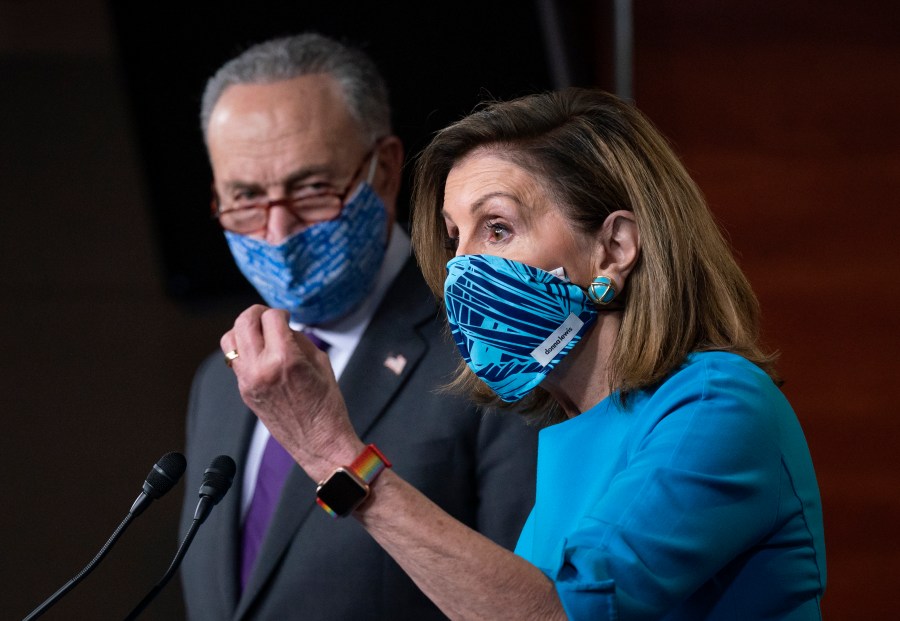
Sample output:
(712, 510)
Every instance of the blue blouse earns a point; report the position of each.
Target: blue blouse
(697, 500)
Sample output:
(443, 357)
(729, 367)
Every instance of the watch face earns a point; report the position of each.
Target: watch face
(342, 492)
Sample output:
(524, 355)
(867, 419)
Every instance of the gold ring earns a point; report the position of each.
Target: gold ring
(231, 356)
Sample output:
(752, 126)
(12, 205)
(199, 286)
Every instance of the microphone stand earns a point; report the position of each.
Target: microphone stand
(170, 572)
(50, 601)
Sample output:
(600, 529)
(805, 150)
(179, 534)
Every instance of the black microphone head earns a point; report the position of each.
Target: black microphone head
(165, 474)
(217, 478)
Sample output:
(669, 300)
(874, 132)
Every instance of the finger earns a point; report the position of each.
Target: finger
(277, 332)
(227, 342)
(247, 332)
(274, 324)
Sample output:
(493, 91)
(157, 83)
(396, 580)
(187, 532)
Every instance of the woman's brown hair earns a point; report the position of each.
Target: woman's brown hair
(597, 154)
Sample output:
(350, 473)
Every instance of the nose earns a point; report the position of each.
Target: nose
(462, 247)
(282, 223)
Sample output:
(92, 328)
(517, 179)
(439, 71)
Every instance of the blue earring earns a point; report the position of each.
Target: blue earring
(602, 290)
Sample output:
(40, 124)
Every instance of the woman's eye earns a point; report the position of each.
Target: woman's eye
(496, 231)
(451, 243)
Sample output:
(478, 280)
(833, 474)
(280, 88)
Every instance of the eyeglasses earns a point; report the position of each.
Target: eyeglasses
(309, 203)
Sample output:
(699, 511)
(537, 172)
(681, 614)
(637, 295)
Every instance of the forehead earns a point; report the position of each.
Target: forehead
(483, 175)
(282, 124)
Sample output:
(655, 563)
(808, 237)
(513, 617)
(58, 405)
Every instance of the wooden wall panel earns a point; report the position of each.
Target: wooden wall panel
(787, 116)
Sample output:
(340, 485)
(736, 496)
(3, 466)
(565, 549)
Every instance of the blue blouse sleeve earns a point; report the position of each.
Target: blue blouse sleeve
(700, 485)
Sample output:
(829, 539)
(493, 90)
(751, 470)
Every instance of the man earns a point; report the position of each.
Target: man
(307, 174)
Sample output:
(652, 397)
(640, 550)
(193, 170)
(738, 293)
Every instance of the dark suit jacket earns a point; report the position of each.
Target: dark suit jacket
(479, 468)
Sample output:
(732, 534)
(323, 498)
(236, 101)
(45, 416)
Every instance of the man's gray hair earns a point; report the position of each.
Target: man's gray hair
(283, 59)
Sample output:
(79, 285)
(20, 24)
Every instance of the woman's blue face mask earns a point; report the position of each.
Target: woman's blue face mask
(513, 323)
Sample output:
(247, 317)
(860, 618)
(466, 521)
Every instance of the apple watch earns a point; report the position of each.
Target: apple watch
(348, 487)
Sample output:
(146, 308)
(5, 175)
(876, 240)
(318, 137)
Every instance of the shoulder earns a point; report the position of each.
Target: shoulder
(407, 301)
(409, 310)
(718, 378)
(720, 391)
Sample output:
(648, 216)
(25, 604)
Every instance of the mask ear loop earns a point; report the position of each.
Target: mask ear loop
(373, 165)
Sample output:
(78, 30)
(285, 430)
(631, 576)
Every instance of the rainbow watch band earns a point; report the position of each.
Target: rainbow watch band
(364, 469)
(369, 464)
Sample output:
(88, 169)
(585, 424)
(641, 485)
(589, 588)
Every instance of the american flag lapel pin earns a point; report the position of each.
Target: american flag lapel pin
(395, 363)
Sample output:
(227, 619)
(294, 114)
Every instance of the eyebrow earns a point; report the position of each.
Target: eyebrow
(291, 179)
(482, 201)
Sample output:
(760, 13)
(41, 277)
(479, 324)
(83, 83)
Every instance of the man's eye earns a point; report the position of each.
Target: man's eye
(245, 196)
(312, 189)
(451, 243)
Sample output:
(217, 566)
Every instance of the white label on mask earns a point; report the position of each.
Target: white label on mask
(560, 272)
(546, 351)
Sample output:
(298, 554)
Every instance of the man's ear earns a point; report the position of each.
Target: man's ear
(389, 169)
(619, 246)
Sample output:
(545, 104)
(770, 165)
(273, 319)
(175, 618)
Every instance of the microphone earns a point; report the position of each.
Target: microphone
(217, 480)
(162, 477)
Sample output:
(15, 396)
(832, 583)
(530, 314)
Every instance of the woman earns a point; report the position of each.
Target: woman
(585, 282)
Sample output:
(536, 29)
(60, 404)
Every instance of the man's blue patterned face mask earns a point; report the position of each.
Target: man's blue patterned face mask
(323, 272)
(513, 323)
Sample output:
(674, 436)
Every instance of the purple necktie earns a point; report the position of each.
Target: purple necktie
(273, 470)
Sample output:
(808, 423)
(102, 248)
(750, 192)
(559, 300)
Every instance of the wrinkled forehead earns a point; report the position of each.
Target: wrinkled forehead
(496, 170)
(262, 133)
(309, 108)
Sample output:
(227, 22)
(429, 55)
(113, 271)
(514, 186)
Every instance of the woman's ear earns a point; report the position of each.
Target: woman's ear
(619, 247)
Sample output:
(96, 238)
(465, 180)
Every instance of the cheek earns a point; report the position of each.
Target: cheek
(576, 253)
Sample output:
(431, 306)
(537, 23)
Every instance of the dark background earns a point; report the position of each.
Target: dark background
(115, 283)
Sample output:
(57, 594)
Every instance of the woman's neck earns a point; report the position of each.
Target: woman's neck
(581, 380)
